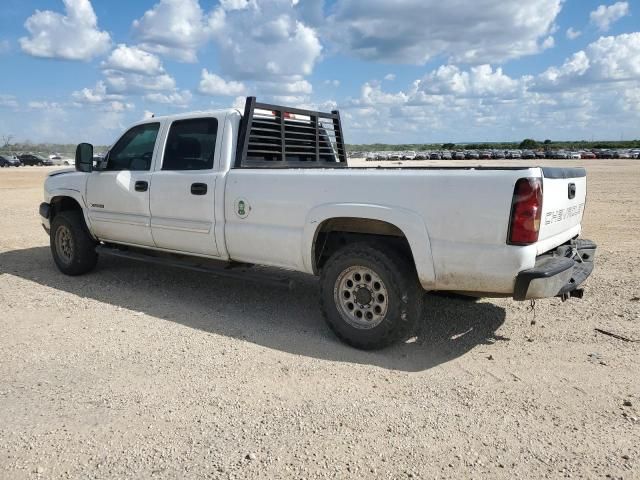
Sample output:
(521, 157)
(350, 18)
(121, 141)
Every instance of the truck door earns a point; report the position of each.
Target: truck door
(118, 195)
(182, 196)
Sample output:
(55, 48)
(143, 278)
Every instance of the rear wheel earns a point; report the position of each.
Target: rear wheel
(370, 295)
(73, 249)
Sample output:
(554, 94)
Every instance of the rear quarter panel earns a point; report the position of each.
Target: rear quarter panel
(457, 219)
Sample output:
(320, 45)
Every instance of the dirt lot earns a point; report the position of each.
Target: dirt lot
(145, 371)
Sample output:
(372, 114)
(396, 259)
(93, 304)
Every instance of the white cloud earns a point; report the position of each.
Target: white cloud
(390, 77)
(479, 81)
(604, 16)
(133, 59)
(415, 31)
(44, 105)
(573, 34)
(631, 100)
(132, 70)
(573, 67)
(8, 101)
(265, 42)
(616, 58)
(98, 94)
(594, 92)
(371, 94)
(293, 85)
(548, 43)
(133, 83)
(332, 83)
(262, 42)
(176, 28)
(74, 36)
(212, 84)
(239, 103)
(608, 59)
(177, 98)
(234, 4)
(118, 107)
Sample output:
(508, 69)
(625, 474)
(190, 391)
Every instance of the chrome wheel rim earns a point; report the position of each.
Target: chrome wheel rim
(361, 297)
(64, 244)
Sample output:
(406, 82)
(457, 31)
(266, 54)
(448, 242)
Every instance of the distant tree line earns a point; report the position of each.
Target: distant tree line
(526, 144)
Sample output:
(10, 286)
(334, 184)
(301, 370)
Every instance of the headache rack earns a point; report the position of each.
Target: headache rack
(272, 136)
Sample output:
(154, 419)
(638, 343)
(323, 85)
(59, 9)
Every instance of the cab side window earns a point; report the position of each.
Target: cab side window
(134, 150)
(191, 144)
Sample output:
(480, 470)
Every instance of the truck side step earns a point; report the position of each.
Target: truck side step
(213, 267)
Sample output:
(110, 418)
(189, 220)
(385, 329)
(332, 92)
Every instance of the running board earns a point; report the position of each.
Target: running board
(213, 267)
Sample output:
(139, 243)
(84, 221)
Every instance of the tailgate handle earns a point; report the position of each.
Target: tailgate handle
(198, 188)
(572, 191)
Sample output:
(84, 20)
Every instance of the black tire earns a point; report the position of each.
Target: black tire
(404, 295)
(73, 249)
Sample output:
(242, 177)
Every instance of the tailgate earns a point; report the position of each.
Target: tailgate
(564, 194)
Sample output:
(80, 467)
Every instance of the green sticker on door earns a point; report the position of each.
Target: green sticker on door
(242, 208)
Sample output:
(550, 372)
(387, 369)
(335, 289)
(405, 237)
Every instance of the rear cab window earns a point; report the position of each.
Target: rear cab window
(191, 144)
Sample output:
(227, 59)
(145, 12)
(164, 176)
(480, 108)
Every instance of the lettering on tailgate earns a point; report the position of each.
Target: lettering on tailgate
(563, 214)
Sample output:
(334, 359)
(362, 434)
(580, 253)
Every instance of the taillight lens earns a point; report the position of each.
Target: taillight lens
(526, 211)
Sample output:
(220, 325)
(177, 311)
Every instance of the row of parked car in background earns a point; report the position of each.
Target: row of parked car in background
(30, 159)
(496, 154)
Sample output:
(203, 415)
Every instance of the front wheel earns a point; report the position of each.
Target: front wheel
(370, 295)
(73, 249)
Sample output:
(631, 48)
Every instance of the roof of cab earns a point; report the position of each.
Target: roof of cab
(189, 114)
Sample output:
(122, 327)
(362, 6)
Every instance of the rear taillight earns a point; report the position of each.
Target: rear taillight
(526, 210)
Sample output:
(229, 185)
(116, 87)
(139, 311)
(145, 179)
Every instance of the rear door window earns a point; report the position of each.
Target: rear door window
(191, 144)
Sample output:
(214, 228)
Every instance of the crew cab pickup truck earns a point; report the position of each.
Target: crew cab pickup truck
(271, 186)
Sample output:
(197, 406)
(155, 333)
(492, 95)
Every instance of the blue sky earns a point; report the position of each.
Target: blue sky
(402, 71)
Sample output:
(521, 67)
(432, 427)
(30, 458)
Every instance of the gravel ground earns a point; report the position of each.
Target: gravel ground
(140, 371)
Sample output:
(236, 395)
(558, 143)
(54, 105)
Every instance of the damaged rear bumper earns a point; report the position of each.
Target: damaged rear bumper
(557, 273)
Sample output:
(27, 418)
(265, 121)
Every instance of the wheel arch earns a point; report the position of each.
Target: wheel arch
(373, 220)
(65, 200)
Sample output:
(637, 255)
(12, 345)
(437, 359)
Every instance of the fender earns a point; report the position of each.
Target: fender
(408, 221)
(78, 197)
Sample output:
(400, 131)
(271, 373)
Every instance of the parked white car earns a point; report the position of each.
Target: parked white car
(62, 161)
(271, 186)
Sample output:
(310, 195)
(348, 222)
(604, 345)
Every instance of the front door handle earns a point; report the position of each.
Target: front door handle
(142, 186)
(198, 188)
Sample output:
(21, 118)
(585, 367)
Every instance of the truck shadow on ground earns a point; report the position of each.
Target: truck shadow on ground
(271, 316)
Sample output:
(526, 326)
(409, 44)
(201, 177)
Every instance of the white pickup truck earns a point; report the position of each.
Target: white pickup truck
(271, 186)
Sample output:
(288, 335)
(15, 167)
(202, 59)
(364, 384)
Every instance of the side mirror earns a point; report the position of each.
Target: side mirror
(84, 157)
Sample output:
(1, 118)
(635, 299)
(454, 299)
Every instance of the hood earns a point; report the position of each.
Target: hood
(61, 171)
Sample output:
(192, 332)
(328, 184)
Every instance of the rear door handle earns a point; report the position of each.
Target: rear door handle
(198, 188)
(572, 191)
(142, 186)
